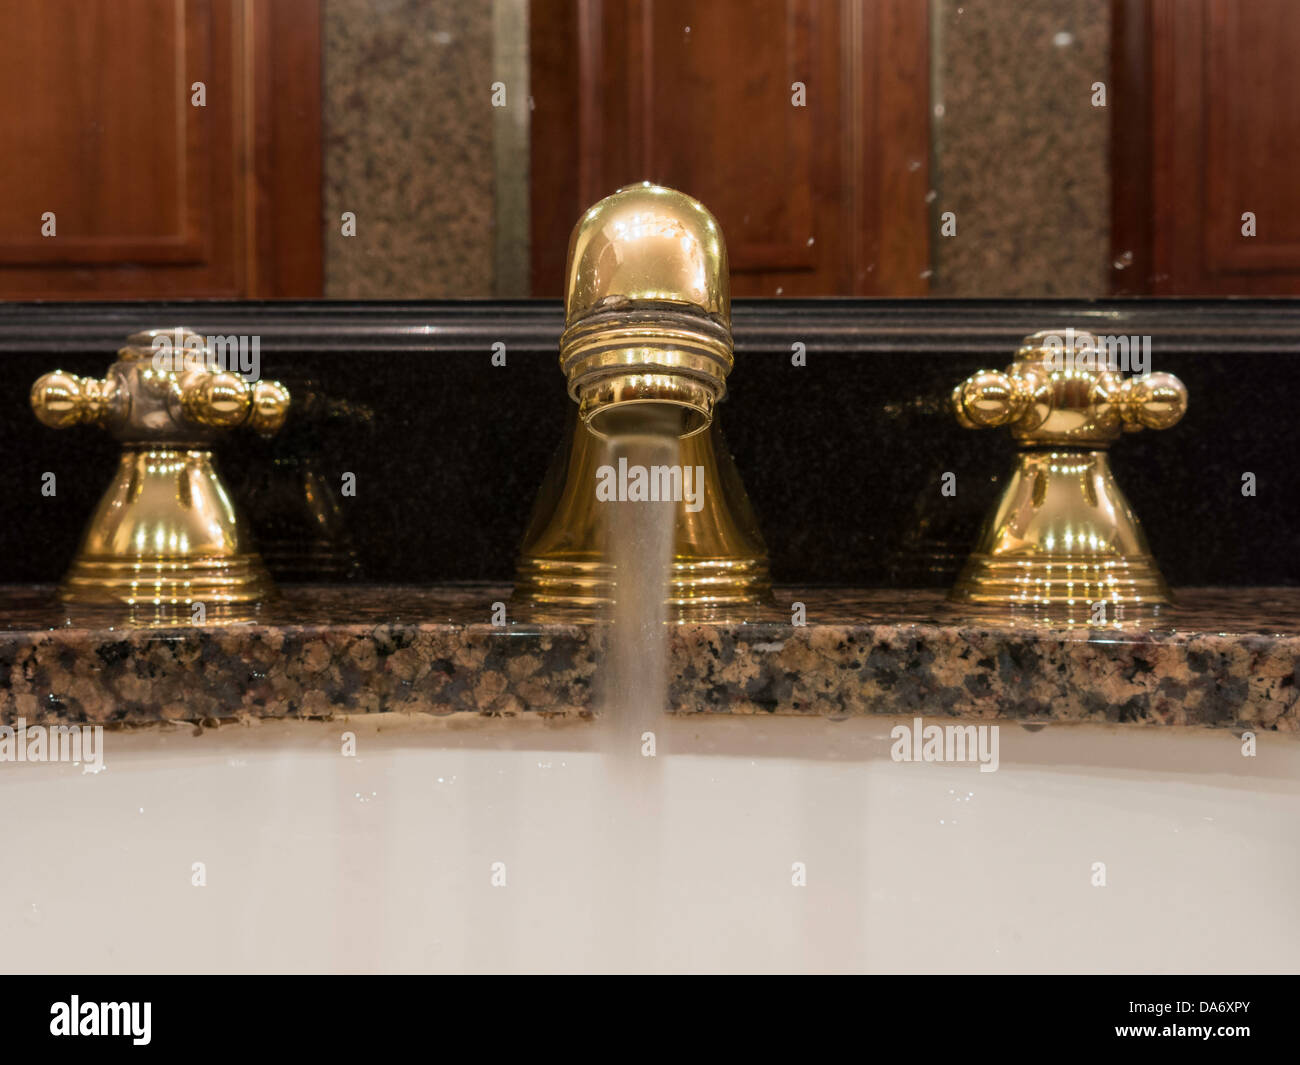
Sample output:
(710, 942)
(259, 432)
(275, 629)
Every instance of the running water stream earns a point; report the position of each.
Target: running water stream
(633, 693)
(640, 546)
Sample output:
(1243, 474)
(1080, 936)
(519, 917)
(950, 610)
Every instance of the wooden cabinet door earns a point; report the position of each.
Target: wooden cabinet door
(1206, 131)
(159, 148)
(803, 125)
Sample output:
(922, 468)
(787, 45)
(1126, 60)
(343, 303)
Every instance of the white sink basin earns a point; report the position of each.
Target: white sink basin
(385, 861)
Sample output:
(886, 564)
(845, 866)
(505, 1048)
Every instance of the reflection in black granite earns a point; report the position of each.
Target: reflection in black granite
(293, 506)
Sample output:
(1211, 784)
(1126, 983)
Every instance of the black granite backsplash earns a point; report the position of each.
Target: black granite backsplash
(842, 457)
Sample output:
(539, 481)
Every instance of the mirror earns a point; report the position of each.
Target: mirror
(427, 149)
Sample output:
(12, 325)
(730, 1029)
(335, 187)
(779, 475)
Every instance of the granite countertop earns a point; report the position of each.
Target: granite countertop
(1227, 658)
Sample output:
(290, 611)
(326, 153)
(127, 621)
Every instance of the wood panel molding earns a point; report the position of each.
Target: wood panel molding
(826, 198)
(1205, 127)
(152, 195)
(1251, 154)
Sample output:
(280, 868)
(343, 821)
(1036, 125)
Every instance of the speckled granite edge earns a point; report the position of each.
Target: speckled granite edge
(432, 659)
(843, 671)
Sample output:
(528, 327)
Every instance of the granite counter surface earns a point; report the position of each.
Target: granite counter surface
(1227, 658)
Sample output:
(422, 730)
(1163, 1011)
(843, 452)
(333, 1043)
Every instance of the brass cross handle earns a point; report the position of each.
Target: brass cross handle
(62, 399)
(1066, 394)
(165, 534)
(167, 386)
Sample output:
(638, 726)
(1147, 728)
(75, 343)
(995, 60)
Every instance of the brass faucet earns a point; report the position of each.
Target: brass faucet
(1063, 545)
(647, 330)
(165, 532)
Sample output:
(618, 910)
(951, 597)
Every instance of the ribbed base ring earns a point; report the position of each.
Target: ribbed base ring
(711, 586)
(140, 582)
(1086, 589)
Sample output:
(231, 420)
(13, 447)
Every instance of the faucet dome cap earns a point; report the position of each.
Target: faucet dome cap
(647, 245)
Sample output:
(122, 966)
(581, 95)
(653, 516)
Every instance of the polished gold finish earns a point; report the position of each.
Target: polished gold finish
(165, 533)
(719, 563)
(1063, 538)
(647, 340)
(647, 310)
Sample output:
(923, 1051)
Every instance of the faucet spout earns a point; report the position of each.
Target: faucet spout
(647, 341)
(646, 350)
